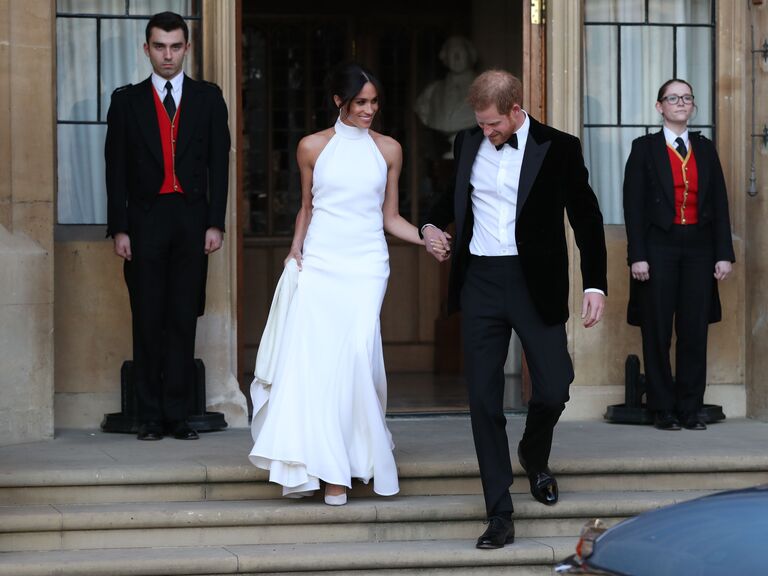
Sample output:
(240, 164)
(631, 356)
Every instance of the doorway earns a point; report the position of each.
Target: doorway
(287, 50)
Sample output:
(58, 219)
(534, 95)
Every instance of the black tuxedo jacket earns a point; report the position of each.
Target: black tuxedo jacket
(649, 200)
(553, 181)
(134, 156)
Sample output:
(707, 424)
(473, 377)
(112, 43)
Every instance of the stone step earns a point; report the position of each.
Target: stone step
(89, 503)
(526, 557)
(264, 522)
(182, 482)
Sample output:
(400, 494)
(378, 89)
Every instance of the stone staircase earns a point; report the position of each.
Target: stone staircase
(156, 511)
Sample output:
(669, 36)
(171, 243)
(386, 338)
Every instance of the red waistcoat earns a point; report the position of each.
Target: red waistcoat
(685, 176)
(169, 131)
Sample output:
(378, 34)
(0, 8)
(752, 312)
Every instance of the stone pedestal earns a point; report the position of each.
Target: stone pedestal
(26, 341)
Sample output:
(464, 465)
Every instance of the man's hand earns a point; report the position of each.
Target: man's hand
(437, 243)
(640, 271)
(123, 245)
(723, 269)
(592, 308)
(213, 239)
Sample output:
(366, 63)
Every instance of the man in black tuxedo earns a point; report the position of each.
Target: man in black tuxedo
(167, 166)
(515, 178)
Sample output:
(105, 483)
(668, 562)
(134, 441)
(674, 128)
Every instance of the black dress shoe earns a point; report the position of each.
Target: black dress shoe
(500, 531)
(666, 420)
(151, 430)
(183, 431)
(544, 487)
(543, 483)
(694, 423)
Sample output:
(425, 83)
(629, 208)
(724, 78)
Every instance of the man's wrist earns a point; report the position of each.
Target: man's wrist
(421, 230)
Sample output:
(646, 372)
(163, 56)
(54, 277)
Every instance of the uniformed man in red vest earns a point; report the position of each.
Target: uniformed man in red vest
(167, 167)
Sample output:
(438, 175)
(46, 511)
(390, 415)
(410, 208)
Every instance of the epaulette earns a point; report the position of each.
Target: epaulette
(119, 88)
(213, 84)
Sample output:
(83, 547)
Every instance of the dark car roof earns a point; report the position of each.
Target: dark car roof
(721, 534)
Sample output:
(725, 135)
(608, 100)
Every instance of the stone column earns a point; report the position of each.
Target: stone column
(217, 329)
(565, 23)
(756, 212)
(597, 375)
(564, 54)
(26, 219)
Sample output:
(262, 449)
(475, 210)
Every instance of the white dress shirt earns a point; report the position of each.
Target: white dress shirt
(176, 82)
(495, 178)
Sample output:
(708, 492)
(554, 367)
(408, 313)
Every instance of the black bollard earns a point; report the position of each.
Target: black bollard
(634, 410)
(127, 420)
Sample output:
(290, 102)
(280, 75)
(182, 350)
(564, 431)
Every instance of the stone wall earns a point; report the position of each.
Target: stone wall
(756, 263)
(26, 220)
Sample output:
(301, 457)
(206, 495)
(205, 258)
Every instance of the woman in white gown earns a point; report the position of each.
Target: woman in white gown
(323, 418)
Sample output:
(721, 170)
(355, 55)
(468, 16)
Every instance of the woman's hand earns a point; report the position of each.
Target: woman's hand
(723, 269)
(640, 271)
(293, 255)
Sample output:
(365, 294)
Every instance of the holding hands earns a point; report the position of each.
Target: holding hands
(437, 243)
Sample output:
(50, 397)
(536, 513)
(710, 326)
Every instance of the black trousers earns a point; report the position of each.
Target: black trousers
(679, 289)
(495, 300)
(165, 280)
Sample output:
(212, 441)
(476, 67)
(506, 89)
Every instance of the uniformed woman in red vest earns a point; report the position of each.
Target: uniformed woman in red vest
(679, 246)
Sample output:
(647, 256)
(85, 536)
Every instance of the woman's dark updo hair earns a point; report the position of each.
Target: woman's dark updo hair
(347, 79)
(666, 85)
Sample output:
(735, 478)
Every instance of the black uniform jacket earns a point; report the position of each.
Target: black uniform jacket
(649, 200)
(134, 155)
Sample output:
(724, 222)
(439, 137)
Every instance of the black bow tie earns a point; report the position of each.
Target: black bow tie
(512, 141)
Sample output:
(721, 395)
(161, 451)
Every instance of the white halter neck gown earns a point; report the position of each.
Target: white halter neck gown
(325, 414)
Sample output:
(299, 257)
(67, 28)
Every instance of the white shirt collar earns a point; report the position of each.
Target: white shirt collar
(522, 133)
(159, 83)
(670, 136)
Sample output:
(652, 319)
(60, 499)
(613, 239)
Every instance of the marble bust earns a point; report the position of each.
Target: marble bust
(442, 105)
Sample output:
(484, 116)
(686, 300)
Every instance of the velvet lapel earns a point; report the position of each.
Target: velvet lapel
(704, 162)
(189, 113)
(144, 106)
(533, 157)
(663, 168)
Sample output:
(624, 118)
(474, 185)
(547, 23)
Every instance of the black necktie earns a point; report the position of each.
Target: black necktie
(681, 149)
(170, 105)
(512, 141)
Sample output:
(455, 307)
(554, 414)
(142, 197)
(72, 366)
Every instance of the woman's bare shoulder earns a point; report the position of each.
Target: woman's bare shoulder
(311, 145)
(389, 147)
(316, 139)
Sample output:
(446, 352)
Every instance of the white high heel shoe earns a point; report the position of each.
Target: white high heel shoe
(336, 499)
